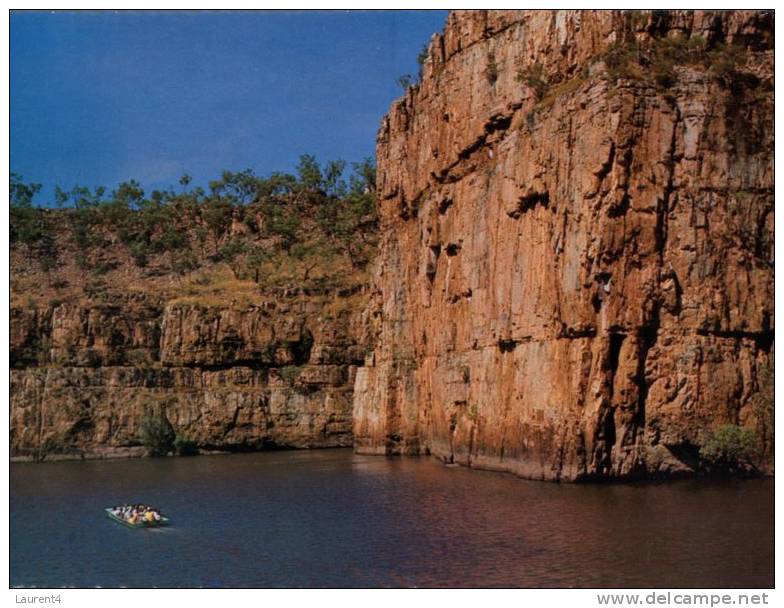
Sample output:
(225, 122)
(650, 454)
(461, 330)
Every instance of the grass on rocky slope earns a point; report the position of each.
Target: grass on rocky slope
(245, 237)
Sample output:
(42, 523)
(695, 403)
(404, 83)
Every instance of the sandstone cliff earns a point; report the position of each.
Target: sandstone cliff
(277, 374)
(575, 278)
(238, 318)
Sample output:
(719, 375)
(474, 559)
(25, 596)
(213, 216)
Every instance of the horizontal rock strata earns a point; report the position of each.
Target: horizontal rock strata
(575, 278)
(279, 374)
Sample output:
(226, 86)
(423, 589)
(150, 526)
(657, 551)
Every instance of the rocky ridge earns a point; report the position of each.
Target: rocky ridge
(575, 278)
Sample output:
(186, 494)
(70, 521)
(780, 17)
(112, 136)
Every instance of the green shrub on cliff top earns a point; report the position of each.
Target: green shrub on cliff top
(26, 220)
(316, 229)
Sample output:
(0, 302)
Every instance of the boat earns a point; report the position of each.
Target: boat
(140, 524)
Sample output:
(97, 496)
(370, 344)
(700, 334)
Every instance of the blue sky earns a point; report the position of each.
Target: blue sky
(101, 97)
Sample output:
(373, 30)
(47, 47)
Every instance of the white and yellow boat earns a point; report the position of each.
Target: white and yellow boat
(163, 521)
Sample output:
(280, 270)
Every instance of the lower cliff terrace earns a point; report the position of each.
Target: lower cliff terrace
(278, 374)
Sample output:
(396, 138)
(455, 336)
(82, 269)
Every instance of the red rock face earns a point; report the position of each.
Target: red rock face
(576, 271)
(276, 374)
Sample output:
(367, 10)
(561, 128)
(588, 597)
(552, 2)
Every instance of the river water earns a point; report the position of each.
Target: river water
(332, 518)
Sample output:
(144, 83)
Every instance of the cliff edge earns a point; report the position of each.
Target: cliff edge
(575, 277)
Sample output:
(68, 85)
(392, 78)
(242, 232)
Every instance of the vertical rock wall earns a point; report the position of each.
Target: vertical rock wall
(576, 270)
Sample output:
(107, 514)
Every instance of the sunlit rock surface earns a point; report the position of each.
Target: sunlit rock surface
(576, 270)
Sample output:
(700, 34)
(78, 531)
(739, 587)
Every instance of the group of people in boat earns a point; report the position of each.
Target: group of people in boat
(135, 514)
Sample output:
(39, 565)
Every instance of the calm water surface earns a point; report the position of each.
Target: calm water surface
(333, 518)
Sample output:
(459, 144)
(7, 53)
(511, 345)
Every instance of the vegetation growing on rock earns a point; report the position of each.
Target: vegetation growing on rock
(156, 433)
(184, 446)
(194, 298)
(731, 449)
(315, 230)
